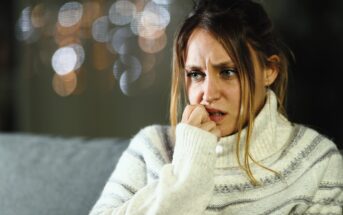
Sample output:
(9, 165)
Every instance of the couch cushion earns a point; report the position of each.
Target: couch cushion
(54, 175)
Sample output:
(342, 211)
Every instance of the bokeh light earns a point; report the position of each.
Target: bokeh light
(153, 21)
(127, 70)
(102, 58)
(24, 28)
(70, 14)
(100, 29)
(91, 11)
(63, 31)
(153, 45)
(62, 40)
(118, 69)
(136, 22)
(129, 63)
(80, 53)
(64, 85)
(39, 16)
(133, 67)
(140, 4)
(126, 84)
(128, 36)
(64, 60)
(148, 62)
(81, 82)
(123, 41)
(122, 12)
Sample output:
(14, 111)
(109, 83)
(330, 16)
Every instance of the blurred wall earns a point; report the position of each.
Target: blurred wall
(101, 105)
(98, 107)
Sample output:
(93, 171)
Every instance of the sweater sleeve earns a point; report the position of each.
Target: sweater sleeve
(328, 198)
(184, 187)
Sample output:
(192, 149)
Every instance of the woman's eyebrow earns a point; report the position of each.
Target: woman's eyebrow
(193, 67)
(216, 65)
(224, 64)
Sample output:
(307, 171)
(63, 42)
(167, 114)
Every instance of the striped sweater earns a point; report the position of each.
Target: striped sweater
(195, 173)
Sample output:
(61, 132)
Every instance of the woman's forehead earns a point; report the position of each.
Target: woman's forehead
(203, 46)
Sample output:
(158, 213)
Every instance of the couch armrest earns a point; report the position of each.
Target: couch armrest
(54, 175)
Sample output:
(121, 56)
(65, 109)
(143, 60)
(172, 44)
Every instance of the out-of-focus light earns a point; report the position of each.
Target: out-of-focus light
(140, 4)
(118, 69)
(101, 56)
(70, 14)
(39, 16)
(143, 29)
(129, 65)
(123, 40)
(64, 60)
(153, 11)
(63, 31)
(122, 12)
(133, 67)
(153, 46)
(24, 28)
(80, 53)
(153, 20)
(148, 62)
(91, 11)
(125, 83)
(66, 40)
(81, 82)
(164, 2)
(136, 22)
(64, 85)
(100, 29)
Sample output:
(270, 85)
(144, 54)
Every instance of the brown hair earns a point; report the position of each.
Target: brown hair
(242, 27)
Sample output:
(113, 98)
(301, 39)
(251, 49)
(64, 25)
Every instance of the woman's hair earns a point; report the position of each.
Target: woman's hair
(243, 28)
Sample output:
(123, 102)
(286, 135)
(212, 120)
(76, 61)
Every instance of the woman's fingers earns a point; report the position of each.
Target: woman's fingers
(187, 112)
(196, 115)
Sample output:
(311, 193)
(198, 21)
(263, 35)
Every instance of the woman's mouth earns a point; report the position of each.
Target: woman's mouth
(216, 115)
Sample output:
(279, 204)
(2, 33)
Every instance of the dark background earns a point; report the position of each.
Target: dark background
(313, 30)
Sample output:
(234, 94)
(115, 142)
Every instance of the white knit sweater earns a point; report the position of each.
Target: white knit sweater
(196, 174)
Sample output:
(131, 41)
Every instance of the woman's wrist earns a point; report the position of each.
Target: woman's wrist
(194, 148)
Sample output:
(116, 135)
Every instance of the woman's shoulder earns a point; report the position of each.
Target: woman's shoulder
(310, 141)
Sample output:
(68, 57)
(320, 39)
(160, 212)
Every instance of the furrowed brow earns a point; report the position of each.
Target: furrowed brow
(193, 67)
(224, 64)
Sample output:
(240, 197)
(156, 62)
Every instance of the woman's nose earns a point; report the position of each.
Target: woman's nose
(211, 91)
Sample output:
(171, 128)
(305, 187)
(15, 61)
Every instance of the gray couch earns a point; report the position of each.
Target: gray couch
(47, 175)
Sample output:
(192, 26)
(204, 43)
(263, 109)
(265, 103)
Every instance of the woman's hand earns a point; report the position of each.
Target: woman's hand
(196, 115)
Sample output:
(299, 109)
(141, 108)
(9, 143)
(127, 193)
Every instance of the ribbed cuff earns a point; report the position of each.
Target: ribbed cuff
(194, 150)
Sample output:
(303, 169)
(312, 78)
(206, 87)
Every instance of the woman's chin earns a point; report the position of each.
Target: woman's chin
(227, 132)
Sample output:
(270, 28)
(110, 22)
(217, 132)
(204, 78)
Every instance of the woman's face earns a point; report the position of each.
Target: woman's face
(212, 81)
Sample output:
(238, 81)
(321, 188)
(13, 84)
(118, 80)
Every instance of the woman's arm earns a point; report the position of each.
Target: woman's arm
(328, 198)
(184, 186)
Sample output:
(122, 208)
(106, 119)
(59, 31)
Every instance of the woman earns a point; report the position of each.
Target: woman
(234, 151)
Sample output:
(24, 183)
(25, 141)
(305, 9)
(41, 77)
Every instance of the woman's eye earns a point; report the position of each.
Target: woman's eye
(228, 73)
(195, 75)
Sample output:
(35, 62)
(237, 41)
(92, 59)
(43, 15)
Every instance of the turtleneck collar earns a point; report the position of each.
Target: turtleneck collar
(270, 132)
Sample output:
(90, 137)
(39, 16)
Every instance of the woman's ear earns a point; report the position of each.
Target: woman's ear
(272, 70)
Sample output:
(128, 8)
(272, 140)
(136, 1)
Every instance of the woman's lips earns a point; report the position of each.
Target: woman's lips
(215, 114)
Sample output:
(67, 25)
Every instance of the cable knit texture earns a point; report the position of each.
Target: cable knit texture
(160, 174)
